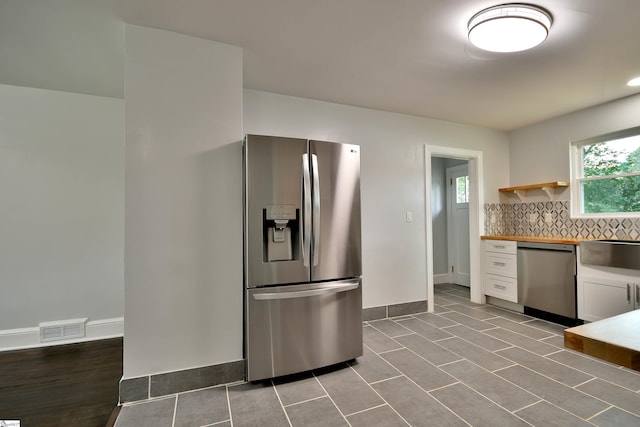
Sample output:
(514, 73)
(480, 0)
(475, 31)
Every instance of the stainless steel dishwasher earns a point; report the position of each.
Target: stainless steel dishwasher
(547, 281)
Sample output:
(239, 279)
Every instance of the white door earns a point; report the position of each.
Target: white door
(458, 223)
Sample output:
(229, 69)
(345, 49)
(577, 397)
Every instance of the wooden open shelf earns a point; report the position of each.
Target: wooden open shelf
(547, 187)
(553, 184)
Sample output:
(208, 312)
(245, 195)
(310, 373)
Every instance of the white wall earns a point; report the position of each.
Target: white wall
(394, 269)
(62, 208)
(183, 219)
(540, 153)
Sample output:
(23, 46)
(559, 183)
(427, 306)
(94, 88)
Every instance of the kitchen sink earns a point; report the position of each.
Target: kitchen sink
(611, 253)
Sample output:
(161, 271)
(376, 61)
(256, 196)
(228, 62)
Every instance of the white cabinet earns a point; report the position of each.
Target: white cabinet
(606, 291)
(500, 269)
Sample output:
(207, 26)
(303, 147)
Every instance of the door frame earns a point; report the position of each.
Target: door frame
(451, 229)
(476, 216)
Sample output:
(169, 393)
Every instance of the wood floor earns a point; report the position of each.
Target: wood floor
(65, 385)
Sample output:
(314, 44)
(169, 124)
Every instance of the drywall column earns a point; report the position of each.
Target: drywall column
(183, 207)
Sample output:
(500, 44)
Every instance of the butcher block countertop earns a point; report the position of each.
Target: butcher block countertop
(614, 339)
(536, 239)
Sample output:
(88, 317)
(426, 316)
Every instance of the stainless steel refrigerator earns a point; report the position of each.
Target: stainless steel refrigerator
(302, 255)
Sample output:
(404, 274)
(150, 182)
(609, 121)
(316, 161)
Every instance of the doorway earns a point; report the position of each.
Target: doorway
(457, 195)
(475, 200)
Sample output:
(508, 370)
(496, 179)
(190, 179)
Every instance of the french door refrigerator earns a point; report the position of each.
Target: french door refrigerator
(302, 257)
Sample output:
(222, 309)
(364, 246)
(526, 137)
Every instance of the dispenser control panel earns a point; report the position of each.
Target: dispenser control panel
(281, 212)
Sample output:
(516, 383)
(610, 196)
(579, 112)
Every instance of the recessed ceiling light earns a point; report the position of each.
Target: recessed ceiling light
(634, 82)
(509, 27)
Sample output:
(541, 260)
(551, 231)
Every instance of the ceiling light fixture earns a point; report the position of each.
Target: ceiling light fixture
(634, 82)
(509, 27)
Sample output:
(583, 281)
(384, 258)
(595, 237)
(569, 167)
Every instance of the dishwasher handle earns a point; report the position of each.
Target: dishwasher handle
(563, 247)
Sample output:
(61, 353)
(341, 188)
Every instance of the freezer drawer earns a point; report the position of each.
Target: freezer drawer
(296, 328)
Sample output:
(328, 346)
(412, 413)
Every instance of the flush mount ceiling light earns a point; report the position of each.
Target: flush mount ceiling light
(634, 82)
(509, 27)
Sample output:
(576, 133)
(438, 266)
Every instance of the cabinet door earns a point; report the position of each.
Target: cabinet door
(600, 297)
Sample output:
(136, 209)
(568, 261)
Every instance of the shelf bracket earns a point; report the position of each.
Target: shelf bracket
(521, 194)
(549, 192)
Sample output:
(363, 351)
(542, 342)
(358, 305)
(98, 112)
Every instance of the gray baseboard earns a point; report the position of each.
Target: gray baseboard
(134, 389)
(142, 388)
(394, 310)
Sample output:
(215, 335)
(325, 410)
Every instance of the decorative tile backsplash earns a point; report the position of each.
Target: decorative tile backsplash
(550, 219)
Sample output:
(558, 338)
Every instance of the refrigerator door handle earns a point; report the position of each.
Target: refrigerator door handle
(306, 210)
(316, 209)
(306, 293)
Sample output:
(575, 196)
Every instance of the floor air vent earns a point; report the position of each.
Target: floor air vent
(62, 330)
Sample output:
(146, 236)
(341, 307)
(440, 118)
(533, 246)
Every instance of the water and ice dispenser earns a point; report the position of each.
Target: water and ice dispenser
(280, 232)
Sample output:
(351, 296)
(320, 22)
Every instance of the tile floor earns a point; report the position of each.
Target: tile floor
(465, 364)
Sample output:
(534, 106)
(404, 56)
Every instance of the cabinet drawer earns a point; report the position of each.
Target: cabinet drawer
(505, 288)
(502, 246)
(501, 264)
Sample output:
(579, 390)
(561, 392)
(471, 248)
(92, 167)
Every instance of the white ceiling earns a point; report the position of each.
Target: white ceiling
(406, 56)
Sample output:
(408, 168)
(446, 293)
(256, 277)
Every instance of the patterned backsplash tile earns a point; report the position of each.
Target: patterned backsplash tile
(549, 219)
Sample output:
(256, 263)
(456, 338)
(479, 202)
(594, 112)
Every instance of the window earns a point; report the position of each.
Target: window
(606, 172)
(462, 189)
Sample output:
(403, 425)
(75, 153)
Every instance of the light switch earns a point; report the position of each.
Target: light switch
(409, 216)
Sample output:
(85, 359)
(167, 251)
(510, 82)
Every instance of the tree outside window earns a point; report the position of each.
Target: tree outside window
(462, 189)
(609, 174)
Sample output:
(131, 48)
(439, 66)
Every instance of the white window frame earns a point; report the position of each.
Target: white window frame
(577, 174)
